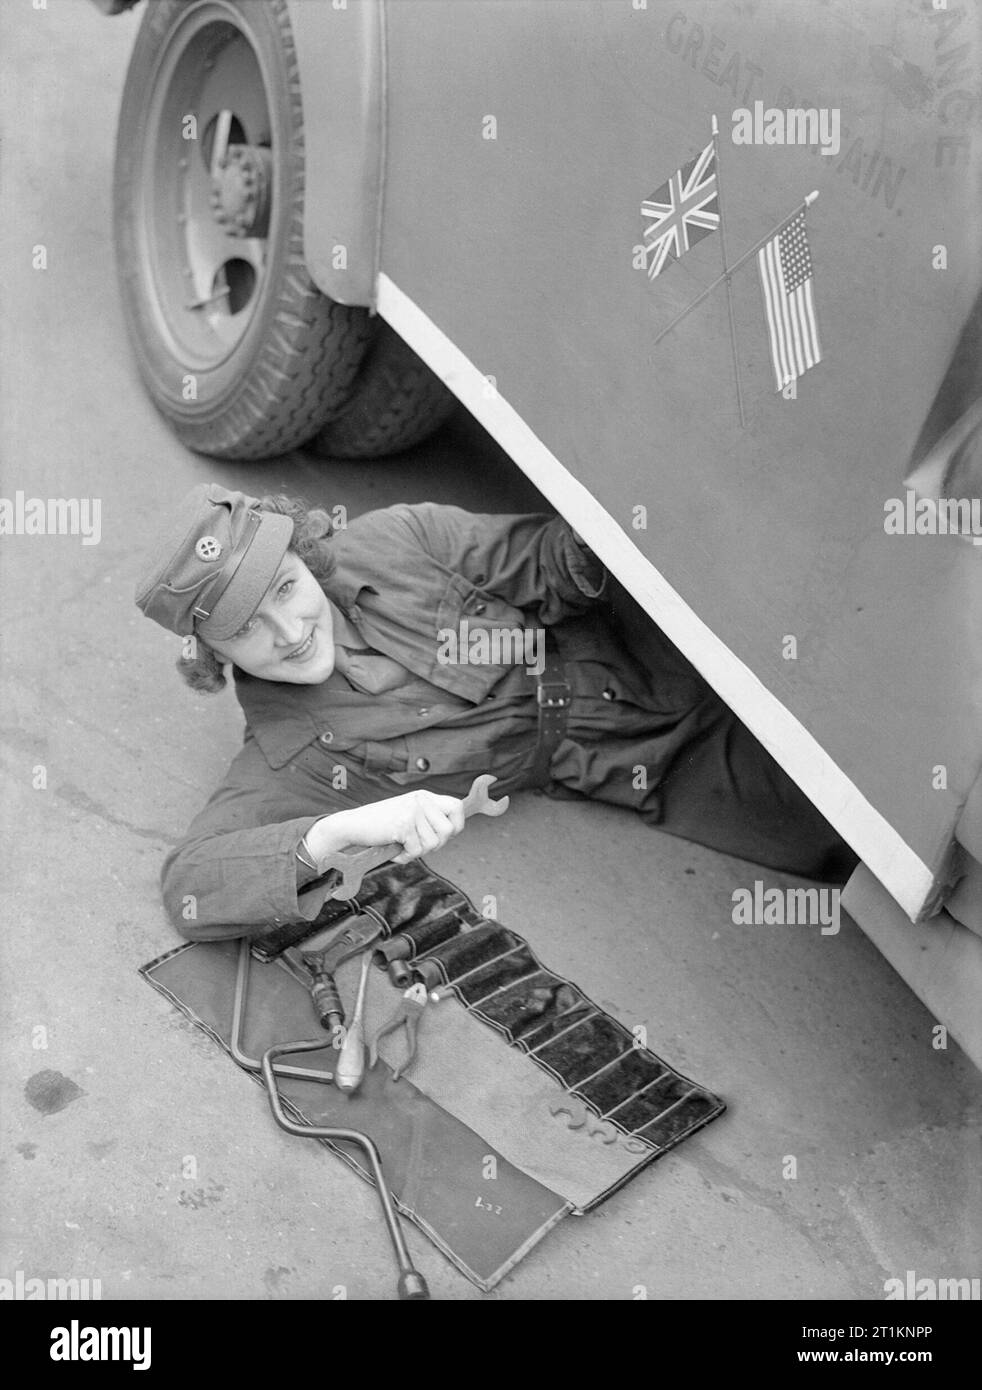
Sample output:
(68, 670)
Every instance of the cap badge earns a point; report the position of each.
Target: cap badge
(208, 548)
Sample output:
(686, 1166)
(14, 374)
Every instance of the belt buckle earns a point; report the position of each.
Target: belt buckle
(546, 700)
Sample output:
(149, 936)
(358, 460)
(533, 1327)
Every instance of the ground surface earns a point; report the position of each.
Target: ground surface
(821, 1051)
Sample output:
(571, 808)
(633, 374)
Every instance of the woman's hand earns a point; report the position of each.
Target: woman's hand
(420, 821)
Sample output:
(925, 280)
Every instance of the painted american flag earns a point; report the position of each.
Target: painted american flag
(786, 275)
(684, 210)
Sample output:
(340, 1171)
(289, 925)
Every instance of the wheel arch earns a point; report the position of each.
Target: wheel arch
(341, 56)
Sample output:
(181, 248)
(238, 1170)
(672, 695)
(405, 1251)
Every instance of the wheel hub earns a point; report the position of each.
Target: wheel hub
(239, 193)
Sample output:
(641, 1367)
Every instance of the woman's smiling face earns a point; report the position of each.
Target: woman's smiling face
(290, 637)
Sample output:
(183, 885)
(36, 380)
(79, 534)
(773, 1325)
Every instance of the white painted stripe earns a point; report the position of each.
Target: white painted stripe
(871, 835)
(812, 320)
(782, 367)
(800, 346)
(780, 315)
(679, 230)
(805, 329)
(801, 334)
(801, 310)
(769, 315)
(806, 320)
(784, 307)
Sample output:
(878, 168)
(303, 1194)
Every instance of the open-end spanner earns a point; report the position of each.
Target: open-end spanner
(352, 866)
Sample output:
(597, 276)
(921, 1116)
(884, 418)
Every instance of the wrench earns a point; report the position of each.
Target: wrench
(353, 866)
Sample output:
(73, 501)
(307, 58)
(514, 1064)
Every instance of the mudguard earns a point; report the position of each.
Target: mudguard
(340, 51)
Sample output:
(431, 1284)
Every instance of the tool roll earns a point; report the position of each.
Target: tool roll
(497, 977)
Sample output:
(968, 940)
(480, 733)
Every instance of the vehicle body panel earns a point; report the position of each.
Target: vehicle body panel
(340, 53)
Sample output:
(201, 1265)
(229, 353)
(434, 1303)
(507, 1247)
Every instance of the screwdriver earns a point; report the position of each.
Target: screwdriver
(350, 1070)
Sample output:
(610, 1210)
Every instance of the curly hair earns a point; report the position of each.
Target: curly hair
(312, 531)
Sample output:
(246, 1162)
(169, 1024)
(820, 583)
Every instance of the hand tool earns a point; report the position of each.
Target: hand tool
(352, 866)
(322, 965)
(276, 940)
(350, 1069)
(427, 972)
(579, 1116)
(399, 973)
(412, 1285)
(409, 1012)
(403, 946)
(397, 949)
(238, 1025)
(414, 939)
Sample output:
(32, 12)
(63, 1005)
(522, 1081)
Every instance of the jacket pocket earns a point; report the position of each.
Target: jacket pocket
(481, 609)
(479, 636)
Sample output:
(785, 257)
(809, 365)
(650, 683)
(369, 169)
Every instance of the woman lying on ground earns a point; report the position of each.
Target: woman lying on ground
(382, 666)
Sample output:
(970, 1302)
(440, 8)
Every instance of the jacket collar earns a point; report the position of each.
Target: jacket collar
(344, 589)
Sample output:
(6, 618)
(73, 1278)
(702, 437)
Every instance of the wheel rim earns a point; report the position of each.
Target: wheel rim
(205, 224)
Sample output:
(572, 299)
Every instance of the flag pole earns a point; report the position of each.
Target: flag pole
(726, 273)
(736, 264)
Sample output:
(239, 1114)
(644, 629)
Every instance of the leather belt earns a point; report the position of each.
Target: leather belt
(553, 696)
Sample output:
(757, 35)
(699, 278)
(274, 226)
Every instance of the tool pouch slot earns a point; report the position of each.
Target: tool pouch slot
(557, 1021)
(523, 1005)
(500, 972)
(470, 949)
(613, 1087)
(404, 893)
(576, 1054)
(647, 1109)
(425, 936)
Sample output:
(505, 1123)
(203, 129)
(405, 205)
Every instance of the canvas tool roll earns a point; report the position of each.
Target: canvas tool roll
(601, 1075)
(518, 1076)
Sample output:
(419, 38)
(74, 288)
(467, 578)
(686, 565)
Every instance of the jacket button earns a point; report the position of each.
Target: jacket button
(480, 578)
(423, 764)
(479, 608)
(610, 694)
(327, 738)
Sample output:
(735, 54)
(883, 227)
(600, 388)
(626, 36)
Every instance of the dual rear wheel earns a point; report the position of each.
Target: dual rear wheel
(236, 346)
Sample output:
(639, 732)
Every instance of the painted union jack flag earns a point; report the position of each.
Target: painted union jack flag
(685, 209)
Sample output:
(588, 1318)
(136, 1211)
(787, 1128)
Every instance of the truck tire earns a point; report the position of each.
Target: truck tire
(237, 348)
(396, 403)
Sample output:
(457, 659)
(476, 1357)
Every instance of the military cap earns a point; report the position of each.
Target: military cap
(217, 556)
